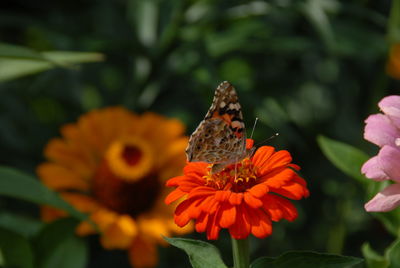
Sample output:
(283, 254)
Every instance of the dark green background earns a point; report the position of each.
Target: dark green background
(303, 67)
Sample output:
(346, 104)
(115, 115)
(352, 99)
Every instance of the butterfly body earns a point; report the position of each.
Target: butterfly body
(220, 139)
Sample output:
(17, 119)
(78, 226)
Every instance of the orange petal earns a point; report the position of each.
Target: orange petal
(181, 213)
(49, 213)
(236, 198)
(261, 226)
(102, 218)
(241, 228)
(58, 177)
(279, 178)
(258, 190)
(222, 196)
(262, 155)
(81, 202)
(251, 200)
(276, 160)
(174, 182)
(143, 253)
(174, 195)
(68, 155)
(120, 233)
(213, 229)
(202, 222)
(279, 208)
(227, 215)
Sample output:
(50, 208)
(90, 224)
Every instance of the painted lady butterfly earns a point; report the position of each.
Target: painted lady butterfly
(220, 139)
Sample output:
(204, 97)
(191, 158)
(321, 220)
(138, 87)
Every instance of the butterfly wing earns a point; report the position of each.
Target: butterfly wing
(220, 137)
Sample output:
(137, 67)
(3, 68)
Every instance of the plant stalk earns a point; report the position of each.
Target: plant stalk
(240, 250)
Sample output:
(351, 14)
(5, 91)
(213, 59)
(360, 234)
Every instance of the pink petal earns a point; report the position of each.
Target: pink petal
(380, 130)
(390, 105)
(388, 199)
(373, 170)
(389, 159)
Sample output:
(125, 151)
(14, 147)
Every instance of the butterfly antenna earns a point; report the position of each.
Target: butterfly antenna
(254, 126)
(264, 141)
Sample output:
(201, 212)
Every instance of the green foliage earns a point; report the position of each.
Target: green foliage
(57, 246)
(303, 67)
(16, 184)
(372, 258)
(391, 258)
(345, 157)
(15, 250)
(349, 160)
(201, 254)
(17, 61)
(306, 259)
(394, 23)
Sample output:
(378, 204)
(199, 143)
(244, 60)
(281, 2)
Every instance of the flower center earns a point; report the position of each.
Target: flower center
(124, 181)
(237, 177)
(131, 159)
(131, 155)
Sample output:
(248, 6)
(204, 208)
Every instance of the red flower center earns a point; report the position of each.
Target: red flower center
(237, 177)
(132, 155)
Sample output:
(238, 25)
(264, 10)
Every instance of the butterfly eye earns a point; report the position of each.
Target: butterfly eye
(198, 147)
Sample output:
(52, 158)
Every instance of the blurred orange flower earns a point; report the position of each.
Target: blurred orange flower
(244, 199)
(113, 165)
(393, 63)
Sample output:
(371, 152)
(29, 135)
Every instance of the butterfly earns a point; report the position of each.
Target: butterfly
(220, 139)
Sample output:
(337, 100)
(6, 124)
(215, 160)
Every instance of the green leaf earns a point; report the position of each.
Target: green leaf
(345, 157)
(57, 246)
(306, 259)
(317, 13)
(349, 160)
(372, 258)
(18, 52)
(201, 254)
(392, 254)
(394, 23)
(15, 250)
(65, 58)
(27, 227)
(14, 183)
(15, 68)
(18, 61)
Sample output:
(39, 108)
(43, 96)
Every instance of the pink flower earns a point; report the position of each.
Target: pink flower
(384, 131)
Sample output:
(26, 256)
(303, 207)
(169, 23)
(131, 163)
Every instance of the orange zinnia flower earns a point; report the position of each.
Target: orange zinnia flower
(244, 199)
(113, 165)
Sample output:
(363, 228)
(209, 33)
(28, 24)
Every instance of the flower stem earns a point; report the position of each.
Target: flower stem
(240, 253)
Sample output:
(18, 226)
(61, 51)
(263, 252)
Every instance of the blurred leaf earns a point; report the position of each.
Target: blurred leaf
(201, 254)
(14, 183)
(238, 36)
(24, 226)
(392, 254)
(372, 258)
(391, 220)
(65, 58)
(15, 68)
(306, 259)
(394, 22)
(17, 61)
(316, 11)
(57, 246)
(349, 160)
(18, 52)
(345, 157)
(144, 17)
(15, 250)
